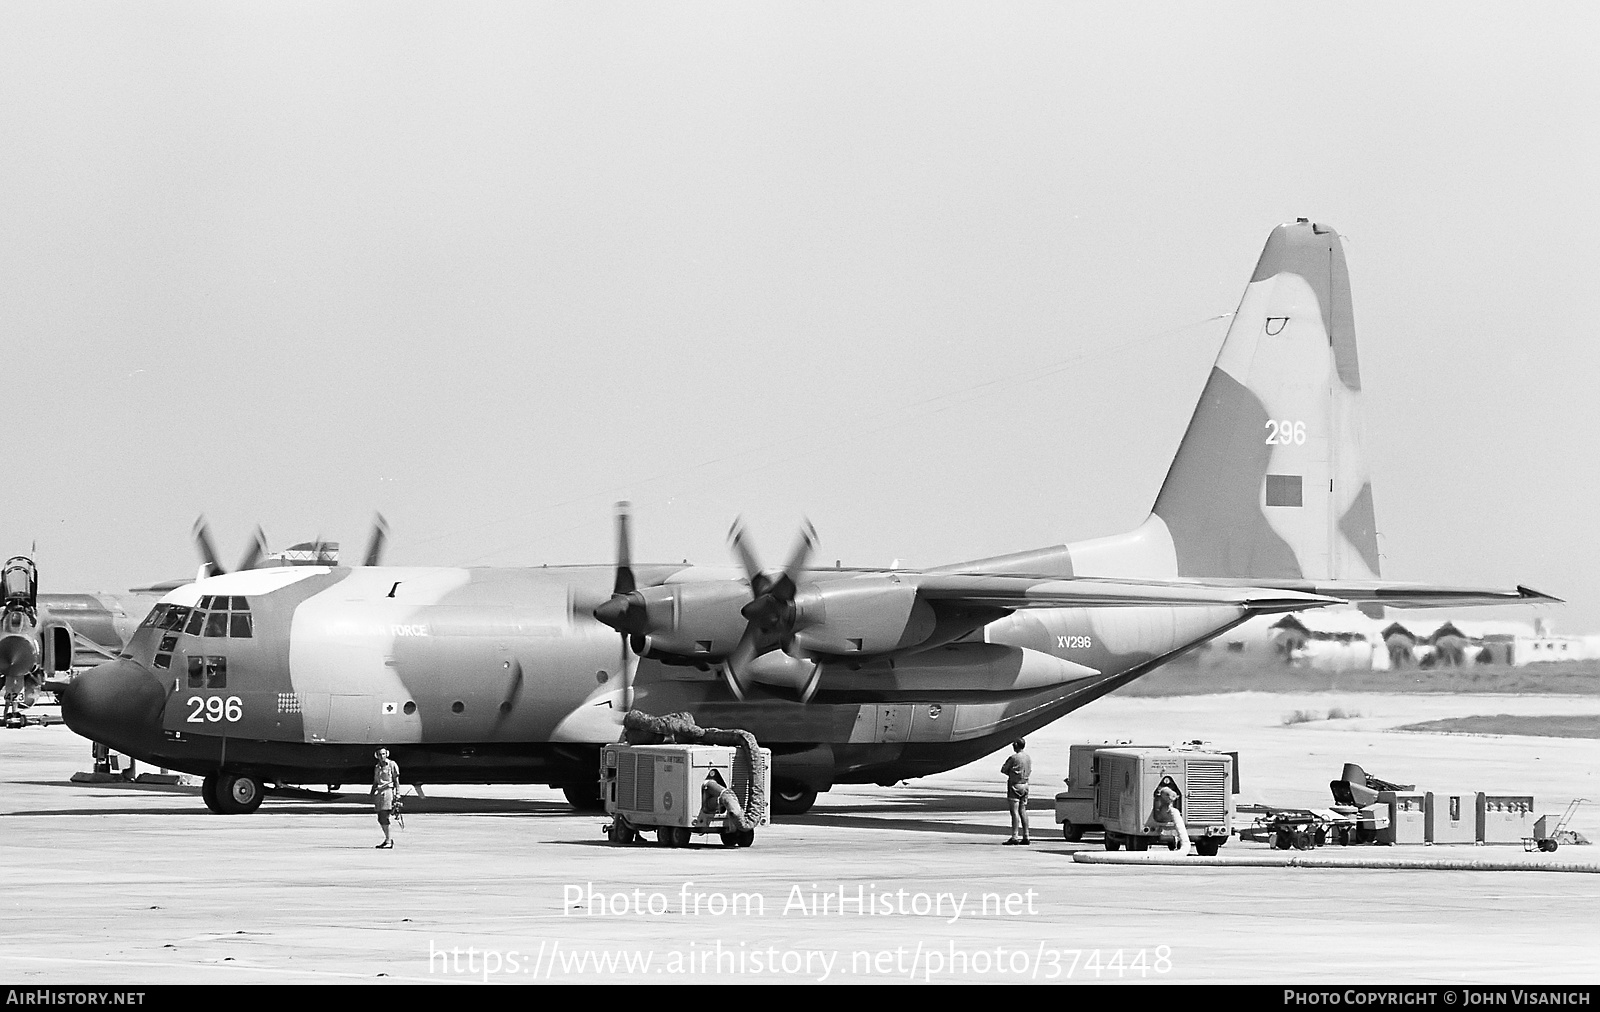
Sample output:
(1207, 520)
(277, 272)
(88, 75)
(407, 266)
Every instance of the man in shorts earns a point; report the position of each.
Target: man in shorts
(385, 786)
(1018, 769)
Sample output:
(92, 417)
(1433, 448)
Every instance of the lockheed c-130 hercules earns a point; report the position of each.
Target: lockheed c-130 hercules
(294, 675)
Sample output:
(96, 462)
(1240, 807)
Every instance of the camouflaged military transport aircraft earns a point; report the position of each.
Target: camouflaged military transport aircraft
(293, 675)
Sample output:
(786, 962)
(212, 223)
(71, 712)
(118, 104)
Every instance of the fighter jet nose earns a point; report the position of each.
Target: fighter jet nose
(118, 703)
(17, 655)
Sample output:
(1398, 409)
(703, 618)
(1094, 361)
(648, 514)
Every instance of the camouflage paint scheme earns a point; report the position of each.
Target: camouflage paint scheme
(504, 675)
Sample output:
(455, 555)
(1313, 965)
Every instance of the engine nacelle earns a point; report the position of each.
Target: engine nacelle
(699, 620)
(863, 616)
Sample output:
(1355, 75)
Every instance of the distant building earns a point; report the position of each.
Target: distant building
(1343, 639)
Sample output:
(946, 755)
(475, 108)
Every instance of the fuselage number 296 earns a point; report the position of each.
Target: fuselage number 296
(215, 708)
(1285, 432)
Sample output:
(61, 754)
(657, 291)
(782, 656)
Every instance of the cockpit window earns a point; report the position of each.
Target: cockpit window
(197, 620)
(240, 626)
(239, 603)
(174, 618)
(217, 624)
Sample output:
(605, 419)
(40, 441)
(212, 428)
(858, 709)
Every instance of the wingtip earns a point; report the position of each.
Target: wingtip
(1529, 594)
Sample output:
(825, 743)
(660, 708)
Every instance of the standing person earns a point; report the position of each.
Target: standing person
(1166, 811)
(1018, 769)
(385, 785)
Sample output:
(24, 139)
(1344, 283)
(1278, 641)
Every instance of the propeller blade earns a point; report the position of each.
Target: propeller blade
(253, 554)
(801, 554)
(737, 667)
(627, 665)
(206, 547)
(375, 543)
(624, 583)
(747, 557)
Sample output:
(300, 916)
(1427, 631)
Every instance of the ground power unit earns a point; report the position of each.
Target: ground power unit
(1126, 780)
(662, 789)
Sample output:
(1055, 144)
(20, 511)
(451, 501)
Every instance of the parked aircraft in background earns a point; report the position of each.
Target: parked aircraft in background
(293, 675)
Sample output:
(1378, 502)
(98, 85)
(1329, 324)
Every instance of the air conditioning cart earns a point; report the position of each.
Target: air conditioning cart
(661, 789)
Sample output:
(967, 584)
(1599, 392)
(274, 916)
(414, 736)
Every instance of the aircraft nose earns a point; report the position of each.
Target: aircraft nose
(118, 704)
(17, 655)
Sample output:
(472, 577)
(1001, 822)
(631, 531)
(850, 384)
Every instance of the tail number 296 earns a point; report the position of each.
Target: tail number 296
(215, 708)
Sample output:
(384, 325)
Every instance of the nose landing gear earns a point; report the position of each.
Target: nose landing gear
(232, 794)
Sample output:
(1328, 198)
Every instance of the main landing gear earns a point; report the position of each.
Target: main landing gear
(232, 794)
(790, 798)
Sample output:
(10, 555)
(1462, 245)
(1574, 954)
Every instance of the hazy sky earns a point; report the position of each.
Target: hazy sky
(937, 276)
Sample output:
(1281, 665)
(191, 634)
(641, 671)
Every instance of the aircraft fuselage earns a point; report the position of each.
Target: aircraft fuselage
(295, 675)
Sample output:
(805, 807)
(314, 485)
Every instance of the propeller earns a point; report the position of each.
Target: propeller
(258, 550)
(771, 611)
(375, 543)
(614, 611)
(208, 549)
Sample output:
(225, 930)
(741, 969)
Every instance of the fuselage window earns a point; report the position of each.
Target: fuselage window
(163, 660)
(216, 672)
(197, 672)
(169, 643)
(217, 624)
(197, 621)
(239, 627)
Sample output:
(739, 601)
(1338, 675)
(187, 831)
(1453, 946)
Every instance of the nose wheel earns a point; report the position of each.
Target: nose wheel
(231, 794)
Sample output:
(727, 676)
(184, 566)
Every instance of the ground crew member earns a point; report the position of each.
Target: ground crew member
(1166, 811)
(385, 785)
(1018, 769)
(715, 795)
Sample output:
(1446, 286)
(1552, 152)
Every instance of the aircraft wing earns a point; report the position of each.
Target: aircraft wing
(1402, 595)
(1020, 592)
(1421, 595)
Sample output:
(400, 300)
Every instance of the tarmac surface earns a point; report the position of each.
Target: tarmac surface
(138, 884)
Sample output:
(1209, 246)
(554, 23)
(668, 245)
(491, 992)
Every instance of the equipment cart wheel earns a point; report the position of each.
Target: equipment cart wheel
(681, 836)
(1206, 846)
(666, 837)
(747, 837)
(1114, 842)
(730, 839)
(1548, 846)
(1071, 833)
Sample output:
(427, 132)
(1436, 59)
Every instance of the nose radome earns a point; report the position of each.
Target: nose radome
(118, 704)
(18, 656)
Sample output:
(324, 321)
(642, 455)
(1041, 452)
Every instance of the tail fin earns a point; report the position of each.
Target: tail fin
(1270, 480)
